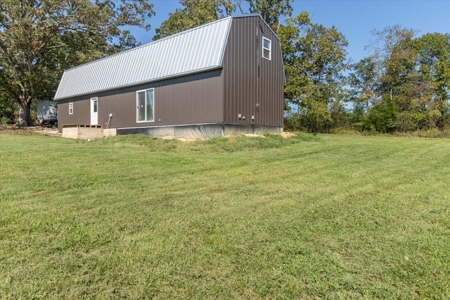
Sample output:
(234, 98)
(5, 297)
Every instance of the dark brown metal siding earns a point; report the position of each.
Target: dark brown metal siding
(249, 78)
(192, 99)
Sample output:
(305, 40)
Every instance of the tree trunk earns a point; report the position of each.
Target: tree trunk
(24, 117)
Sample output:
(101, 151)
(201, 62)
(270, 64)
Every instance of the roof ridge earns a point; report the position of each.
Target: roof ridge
(165, 56)
(148, 44)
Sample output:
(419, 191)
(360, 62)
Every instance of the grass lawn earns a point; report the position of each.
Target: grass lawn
(333, 217)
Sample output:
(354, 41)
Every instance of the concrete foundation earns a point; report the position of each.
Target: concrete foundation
(201, 131)
(82, 132)
(110, 132)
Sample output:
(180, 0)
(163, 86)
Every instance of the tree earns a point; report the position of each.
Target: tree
(7, 108)
(399, 81)
(382, 117)
(433, 63)
(362, 81)
(395, 59)
(315, 58)
(41, 38)
(414, 74)
(194, 13)
(271, 11)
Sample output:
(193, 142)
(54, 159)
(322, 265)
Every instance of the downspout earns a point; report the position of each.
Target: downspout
(258, 62)
(109, 120)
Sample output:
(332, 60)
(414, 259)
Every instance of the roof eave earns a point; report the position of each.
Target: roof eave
(140, 83)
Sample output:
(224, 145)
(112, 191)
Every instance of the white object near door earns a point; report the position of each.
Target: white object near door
(94, 111)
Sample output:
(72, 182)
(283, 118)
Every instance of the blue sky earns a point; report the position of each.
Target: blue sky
(354, 18)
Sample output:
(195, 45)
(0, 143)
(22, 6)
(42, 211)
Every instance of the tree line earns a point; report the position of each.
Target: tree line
(402, 84)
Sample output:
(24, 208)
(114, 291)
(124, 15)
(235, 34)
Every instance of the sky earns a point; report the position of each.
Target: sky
(354, 18)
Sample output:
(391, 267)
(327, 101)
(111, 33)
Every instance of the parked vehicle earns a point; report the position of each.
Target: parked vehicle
(47, 112)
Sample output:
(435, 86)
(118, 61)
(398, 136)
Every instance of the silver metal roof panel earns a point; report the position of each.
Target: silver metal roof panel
(187, 52)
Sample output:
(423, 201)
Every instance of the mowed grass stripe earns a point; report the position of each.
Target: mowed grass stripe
(334, 217)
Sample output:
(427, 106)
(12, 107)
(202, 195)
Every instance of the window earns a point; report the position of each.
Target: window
(145, 109)
(267, 48)
(71, 108)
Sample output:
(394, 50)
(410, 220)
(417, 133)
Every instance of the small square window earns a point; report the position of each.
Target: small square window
(71, 108)
(267, 48)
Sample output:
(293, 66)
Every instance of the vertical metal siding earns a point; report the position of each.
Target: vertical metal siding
(244, 85)
(192, 99)
(79, 115)
(208, 97)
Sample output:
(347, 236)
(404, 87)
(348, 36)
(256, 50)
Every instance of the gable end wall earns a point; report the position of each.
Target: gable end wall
(250, 79)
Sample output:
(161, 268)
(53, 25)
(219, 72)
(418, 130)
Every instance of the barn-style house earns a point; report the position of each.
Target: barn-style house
(221, 78)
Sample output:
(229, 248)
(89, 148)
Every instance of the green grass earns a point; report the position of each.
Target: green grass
(309, 217)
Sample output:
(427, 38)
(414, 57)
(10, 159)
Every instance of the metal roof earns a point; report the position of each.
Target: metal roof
(187, 52)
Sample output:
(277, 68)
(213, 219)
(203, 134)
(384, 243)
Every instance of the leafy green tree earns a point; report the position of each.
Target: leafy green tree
(271, 11)
(362, 80)
(41, 38)
(7, 108)
(382, 116)
(192, 14)
(315, 58)
(434, 67)
(395, 58)
(399, 79)
(413, 73)
(442, 89)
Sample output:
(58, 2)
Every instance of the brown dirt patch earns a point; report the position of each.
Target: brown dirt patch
(41, 192)
(17, 131)
(287, 134)
(179, 139)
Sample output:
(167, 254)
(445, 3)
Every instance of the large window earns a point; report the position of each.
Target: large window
(145, 105)
(71, 108)
(267, 48)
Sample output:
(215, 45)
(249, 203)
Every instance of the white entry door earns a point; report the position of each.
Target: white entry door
(94, 111)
